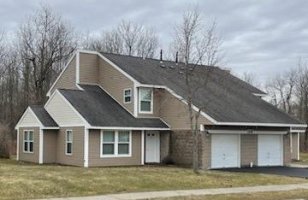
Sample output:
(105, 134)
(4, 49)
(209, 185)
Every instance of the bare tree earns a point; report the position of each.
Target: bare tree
(46, 41)
(127, 38)
(250, 78)
(196, 45)
(282, 90)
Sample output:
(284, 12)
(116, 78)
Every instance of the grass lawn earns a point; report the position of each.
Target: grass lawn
(293, 194)
(22, 181)
(304, 158)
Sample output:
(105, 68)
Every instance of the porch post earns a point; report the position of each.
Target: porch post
(17, 145)
(86, 147)
(41, 146)
(298, 145)
(142, 147)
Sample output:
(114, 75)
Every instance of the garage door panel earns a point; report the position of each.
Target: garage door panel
(270, 150)
(225, 151)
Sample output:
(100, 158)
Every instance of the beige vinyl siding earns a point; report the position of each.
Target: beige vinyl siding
(175, 112)
(77, 157)
(295, 146)
(68, 78)
(29, 157)
(286, 150)
(157, 93)
(114, 82)
(50, 146)
(62, 112)
(94, 151)
(249, 150)
(88, 68)
(164, 145)
(29, 119)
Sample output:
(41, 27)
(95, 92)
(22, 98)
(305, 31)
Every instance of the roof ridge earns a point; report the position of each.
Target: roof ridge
(156, 59)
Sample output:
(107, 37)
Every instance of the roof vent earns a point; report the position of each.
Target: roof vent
(161, 56)
(130, 50)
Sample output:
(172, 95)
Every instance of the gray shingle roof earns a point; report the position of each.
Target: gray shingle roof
(43, 116)
(224, 97)
(99, 109)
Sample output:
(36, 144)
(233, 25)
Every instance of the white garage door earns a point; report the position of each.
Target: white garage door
(225, 151)
(270, 150)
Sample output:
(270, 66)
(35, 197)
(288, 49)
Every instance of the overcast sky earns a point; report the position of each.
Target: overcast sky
(263, 37)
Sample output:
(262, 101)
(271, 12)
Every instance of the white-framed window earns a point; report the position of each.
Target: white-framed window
(146, 100)
(68, 142)
(116, 143)
(28, 141)
(127, 95)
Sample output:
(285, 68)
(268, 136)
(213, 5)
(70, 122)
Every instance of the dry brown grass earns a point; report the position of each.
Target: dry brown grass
(24, 181)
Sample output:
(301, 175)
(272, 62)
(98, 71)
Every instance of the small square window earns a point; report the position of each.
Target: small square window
(127, 95)
(69, 142)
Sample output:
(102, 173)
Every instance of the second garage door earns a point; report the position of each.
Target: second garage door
(225, 151)
(270, 150)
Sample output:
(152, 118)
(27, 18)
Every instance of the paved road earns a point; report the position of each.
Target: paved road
(284, 171)
(179, 193)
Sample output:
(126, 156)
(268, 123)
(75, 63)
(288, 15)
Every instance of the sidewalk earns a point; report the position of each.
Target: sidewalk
(178, 193)
(296, 165)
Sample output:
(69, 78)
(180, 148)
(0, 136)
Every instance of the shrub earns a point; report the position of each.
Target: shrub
(168, 160)
(5, 141)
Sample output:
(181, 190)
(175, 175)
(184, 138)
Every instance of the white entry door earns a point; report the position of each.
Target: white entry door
(152, 147)
(225, 151)
(270, 150)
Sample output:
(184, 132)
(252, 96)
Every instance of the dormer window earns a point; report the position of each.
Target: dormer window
(127, 95)
(145, 100)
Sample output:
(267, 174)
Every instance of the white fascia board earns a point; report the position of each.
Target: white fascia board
(51, 128)
(128, 128)
(23, 116)
(260, 124)
(249, 132)
(63, 70)
(260, 95)
(297, 131)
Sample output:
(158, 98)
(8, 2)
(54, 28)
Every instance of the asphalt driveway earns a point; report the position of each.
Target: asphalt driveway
(284, 171)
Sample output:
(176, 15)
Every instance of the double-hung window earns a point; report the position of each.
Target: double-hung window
(145, 100)
(115, 143)
(127, 95)
(28, 141)
(69, 142)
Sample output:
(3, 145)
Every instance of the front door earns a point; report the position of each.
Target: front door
(152, 147)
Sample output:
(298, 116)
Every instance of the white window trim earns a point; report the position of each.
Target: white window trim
(131, 95)
(28, 142)
(66, 142)
(115, 155)
(139, 102)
